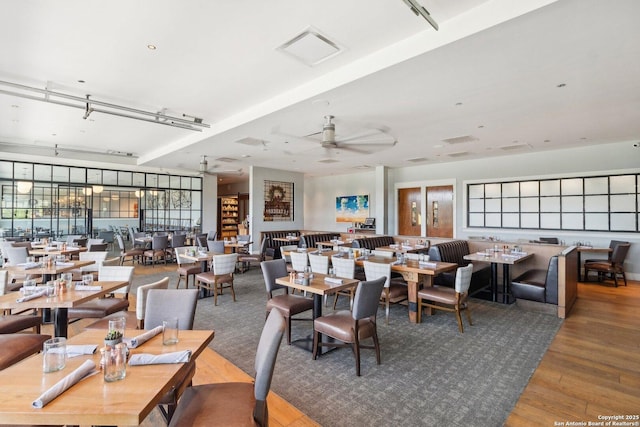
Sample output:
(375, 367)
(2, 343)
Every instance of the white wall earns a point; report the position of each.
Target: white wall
(209, 218)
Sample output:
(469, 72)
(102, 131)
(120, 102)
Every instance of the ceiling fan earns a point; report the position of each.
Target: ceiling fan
(205, 170)
(376, 137)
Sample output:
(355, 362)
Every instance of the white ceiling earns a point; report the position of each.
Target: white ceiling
(490, 74)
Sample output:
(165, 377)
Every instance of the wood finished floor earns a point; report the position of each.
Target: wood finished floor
(591, 368)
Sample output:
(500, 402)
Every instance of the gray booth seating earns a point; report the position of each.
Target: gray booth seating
(373, 242)
(310, 240)
(538, 284)
(273, 246)
(454, 251)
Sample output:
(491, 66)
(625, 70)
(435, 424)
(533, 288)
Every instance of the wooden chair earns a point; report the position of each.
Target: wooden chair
(220, 276)
(351, 327)
(186, 267)
(215, 246)
(613, 267)
(133, 253)
(289, 305)
(245, 261)
(344, 267)
(158, 250)
(395, 290)
(235, 404)
(448, 299)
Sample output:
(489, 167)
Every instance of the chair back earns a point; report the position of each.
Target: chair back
(98, 247)
(319, 263)
(376, 270)
(107, 236)
(160, 242)
(216, 246)
(619, 254)
(551, 240)
(16, 255)
(343, 267)
(266, 355)
(178, 240)
(287, 248)
(96, 241)
(82, 242)
(180, 252)
(97, 257)
(201, 240)
(612, 246)
(111, 262)
(117, 273)
(165, 303)
(463, 279)
(121, 242)
(224, 264)
(299, 260)
(211, 235)
(4, 280)
(243, 238)
(143, 291)
(71, 238)
(271, 270)
(367, 298)
(382, 254)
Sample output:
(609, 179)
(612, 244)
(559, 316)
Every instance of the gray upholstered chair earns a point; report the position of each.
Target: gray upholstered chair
(448, 299)
(289, 305)
(613, 267)
(351, 327)
(235, 404)
(245, 260)
(215, 246)
(220, 276)
(395, 290)
(158, 250)
(346, 268)
(133, 253)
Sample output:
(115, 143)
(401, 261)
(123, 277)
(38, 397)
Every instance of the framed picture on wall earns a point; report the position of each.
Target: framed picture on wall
(352, 208)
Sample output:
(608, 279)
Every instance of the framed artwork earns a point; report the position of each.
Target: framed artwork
(352, 208)
(278, 201)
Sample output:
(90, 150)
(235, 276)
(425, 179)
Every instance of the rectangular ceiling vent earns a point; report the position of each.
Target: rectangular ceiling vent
(418, 160)
(328, 161)
(458, 154)
(515, 147)
(250, 141)
(310, 47)
(460, 139)
(226, 159)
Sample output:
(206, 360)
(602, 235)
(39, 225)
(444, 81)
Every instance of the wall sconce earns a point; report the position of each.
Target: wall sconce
(24, 186)
(435, 214)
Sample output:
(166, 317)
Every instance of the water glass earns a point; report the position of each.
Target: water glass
(54, 354)
(118, 324)
(87, 279)
(52, 289)
(28, 287)
(115, 363)
(170, 331)
(332, 272)
(31, 259)
(67, 279)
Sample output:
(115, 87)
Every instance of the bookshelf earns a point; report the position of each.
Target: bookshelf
(229, 217)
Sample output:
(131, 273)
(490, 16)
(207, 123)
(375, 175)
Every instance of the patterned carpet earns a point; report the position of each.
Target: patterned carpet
(430, 373)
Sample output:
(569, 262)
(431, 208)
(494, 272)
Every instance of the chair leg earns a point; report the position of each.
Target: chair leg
(316, 337)
(459, 319)
(335, 300)
(419, 310)
(356, 351)
(376, 344)
(233, 292)
(468, 313)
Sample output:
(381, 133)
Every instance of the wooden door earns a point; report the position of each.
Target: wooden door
(440, 211)
(409, 215)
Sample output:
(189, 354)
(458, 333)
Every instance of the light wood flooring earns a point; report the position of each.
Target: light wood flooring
(591, 368)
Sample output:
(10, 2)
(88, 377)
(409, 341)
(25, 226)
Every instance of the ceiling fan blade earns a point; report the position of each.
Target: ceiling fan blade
(381, 142)
(353, 149)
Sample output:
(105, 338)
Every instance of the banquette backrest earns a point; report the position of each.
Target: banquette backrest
(373, 242)
(273, 246)
(310, 240)
(454, 251)
(538, 284)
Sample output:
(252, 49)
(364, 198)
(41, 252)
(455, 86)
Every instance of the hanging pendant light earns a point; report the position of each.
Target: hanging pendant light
(98, 189)
(24, 186)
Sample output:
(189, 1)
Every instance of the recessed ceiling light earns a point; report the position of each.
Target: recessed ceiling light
(480, 126)
(458, 104)
(561, 85)
(547, 140)
(151, 46)
(81, 81)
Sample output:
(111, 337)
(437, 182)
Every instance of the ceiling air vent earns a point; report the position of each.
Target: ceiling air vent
(310, 47)
(226, 159)
(328, 161)
(250, 141)
(418, 160)
(515, 147)
(460, 139)
(458, 154)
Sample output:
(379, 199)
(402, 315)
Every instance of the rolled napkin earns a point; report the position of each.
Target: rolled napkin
(34, 295)
(407, 247)
(80, 287)
(334, 280)
(360, 258)
(397, 262)
(29, 265)
(80, 350)
(61, 386)
(144, 337)
(64, 264)
(155, 359)
(427, 264)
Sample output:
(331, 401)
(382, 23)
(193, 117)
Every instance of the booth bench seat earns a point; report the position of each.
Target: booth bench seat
(538, 284)
(373, 242)
(273, 246)
(454, 251)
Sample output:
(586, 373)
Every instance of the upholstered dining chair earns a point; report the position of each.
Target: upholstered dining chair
(16, 347)
(289, 305)
(220, 276)
(162, 304)
(351, 327)
(11, 323)
(299, 260)
(344, 267)
(186, 267)
(245, 260)
(133, 253)
(319, 263)
(448, 299)
(395, 290)
(134, 319)
(612, 246)
(215, 246)
(159, 245)
(240, 403)
(285, 252)
(97, 258)
(611, 268)
(101, 307)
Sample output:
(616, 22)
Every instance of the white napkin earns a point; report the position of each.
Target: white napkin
(333, 280)
(419, 246)
(407, 247)
(34, 295)
(154, 359)
(61, 386)
(144, 337)
(80, 350)
(396, 262)
(29, 265)
(338, 242)
(427, 264)
(88, 287)
(64, 264)
(360, 258)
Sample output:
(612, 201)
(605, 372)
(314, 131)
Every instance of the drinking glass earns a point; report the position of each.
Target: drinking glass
(87, 279)
(54, 354)
(115, 363)
(170, 331)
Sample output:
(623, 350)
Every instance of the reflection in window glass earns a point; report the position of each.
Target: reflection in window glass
(77, 175)
(110, 177)
(124, 178)
(138, 179)
(94, 176)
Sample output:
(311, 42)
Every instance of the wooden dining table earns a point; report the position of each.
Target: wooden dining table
(416, 275)
(53, 252)
(60, 304)
(92, 401)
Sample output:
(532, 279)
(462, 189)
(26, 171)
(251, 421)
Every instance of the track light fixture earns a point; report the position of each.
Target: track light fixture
(419, 10)
(90, 106)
